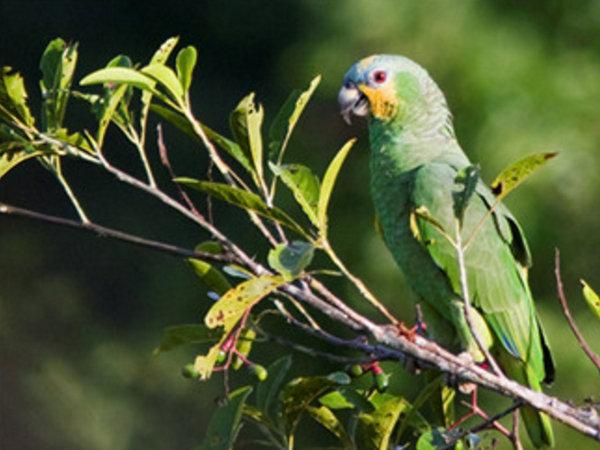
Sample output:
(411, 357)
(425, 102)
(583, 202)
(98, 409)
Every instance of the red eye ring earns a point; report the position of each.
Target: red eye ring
(379, 76)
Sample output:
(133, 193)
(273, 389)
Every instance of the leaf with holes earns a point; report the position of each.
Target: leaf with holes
(304, 185)
(245, 123)
(512, 176)
(230, 308)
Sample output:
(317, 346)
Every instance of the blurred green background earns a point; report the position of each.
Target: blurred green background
(79, 316)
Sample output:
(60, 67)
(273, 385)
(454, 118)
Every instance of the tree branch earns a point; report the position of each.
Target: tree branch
(566, 311)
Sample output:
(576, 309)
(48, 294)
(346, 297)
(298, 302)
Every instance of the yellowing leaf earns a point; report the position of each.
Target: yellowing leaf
(230, 308)
(245, 122)
(591, 298)
(327, 185)
(10, 160)
(204, 364)
(512, 176)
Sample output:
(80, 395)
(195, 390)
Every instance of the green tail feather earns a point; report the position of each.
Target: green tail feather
(537, 424)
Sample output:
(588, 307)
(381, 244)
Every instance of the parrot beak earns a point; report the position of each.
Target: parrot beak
(352, 101)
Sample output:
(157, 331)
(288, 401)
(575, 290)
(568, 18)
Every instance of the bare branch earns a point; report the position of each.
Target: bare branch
(103, 231)
(566, 311)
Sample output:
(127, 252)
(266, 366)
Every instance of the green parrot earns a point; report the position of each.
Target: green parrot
(415, 161)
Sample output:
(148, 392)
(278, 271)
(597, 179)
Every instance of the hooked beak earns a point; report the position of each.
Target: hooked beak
(352, 101)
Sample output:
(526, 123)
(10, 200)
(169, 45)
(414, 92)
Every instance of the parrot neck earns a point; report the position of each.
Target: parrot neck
(421, 132)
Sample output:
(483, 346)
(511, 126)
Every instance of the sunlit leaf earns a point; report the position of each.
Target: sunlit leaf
(286, 119)
(291, 259)
(160, 57)
(327, 185)
(327, 418)
(120, 75)
(204, 364)
(185, 62)
(167, 78)
(183, 124)
(230, 308)
(242, 199)
(268, 391)
(512, 176)
(591, 298)
(346, 399)
(9, 160)
(178, 335)
(108, 112)
(375, 429)
(304, 185)
(245, 123)
(224, 425)
(13, 95)
(466, 179)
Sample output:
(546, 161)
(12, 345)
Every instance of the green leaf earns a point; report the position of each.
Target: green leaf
(304, 185)
(58, 67)
(375, 429)
(9, 160)
(224, 425)
(160, 57)
(211, 277)
(185, 62)
(110, 107)
(285, 121)
(245, 123)
(327, 418)
(268, 391)
(327, 186)
(244, 346)
(230, 308)
(346, 399)
(121, 75)
(178, 335)
(183, 124)
(13, 95)
(466, 179)
(166, 77)
(432, 440)
(242, 199)
(300, 392)
(512, 176)
(291, 259)
(591, 298)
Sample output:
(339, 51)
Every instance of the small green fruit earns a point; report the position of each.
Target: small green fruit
(221, 357)
(189, 371)
(382, 381)
(355, 370)
(259, 371)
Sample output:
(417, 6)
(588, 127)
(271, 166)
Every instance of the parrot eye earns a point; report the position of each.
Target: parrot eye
(379, 76)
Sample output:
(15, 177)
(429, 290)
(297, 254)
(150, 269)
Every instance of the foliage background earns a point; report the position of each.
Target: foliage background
(79, 316)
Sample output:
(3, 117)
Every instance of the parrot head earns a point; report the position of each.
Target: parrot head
(386, 87)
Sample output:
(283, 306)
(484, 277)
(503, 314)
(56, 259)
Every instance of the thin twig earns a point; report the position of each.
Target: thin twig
(515, 437)
(72, 197)
(164, 158)
(362, 288)
(467, 301)
(567, 313)
(103, 231)
(485, 424)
